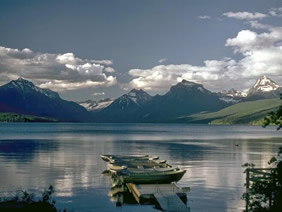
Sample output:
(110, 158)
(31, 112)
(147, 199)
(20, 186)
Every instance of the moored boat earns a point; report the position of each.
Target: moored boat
(152, 177)
(113, 158)
(142, 169)
(119, 165)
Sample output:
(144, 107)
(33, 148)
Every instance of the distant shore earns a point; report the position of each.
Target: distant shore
(14, 117)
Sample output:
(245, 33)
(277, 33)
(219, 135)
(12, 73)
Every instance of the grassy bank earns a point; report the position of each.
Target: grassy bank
(14, 117)
(242, 113)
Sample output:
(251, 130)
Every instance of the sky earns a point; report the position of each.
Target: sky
(96, 49)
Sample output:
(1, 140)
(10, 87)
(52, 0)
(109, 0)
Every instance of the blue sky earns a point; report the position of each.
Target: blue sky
(92, 49)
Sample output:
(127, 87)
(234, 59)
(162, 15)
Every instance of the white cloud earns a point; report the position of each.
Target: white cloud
(54, 71)
(247, 41)
(245, 15)
(103, 62)
(257, 25)
(203, 17)
(99, 94)
(67, 58)
(163, 76)
(109, 70)
(277, 12)
(162, 60)
(61, 85)
(260, 52)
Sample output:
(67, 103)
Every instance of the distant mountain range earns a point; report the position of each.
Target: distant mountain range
(264, 88)
(181, 103)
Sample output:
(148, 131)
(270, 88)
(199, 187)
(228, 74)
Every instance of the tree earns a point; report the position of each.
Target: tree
(275, 117)
(264, 191)
(264, 194)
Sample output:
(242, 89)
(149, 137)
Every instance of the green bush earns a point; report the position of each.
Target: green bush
(264, 194)
(27, 203)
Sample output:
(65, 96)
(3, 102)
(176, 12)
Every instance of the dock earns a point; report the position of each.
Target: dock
(148, 180)
(170, 197)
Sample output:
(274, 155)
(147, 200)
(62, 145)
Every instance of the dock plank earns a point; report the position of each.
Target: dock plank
(165, 194)
(171, 202)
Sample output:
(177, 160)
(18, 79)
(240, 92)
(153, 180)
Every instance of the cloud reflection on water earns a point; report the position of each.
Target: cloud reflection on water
(70, 160)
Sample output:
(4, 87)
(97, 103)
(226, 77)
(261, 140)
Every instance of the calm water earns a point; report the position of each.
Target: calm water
(34, 156)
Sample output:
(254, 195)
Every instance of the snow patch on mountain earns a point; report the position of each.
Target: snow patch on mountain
(233, 93)
(103, 104)
(91, 105)
(229, 99)
(139, 97)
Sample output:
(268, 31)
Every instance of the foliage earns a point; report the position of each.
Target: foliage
(265, 192)
(14, 117)
(26, 202)
(274, 117)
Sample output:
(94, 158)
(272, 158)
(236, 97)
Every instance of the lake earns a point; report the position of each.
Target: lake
(67, 156)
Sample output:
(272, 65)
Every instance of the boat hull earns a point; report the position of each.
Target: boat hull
(153, 178)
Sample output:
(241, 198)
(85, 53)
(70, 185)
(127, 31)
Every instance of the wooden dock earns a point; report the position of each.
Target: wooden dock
(168, 196)
(171, 202)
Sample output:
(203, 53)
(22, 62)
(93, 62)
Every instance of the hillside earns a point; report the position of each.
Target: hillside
(242, 113)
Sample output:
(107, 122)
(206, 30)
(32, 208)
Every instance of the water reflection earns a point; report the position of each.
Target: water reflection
(121, 195)
(67, 156)
(24, 150)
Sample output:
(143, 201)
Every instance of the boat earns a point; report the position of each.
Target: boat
(140, 164)
(142, 169)
(151, 177)
(113, 158)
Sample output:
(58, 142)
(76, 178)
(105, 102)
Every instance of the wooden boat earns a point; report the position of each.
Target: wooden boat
(151, 177)
(142, 169)
(113, 158)
(137, 165)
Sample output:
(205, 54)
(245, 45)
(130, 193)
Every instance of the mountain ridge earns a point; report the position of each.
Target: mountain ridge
(23, 97)
(182, 99)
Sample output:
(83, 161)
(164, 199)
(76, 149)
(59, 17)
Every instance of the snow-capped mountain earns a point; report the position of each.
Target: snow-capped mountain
(127, 108)
(185, 85)
(139, 97)
(232, 96)
(91, 105)
(263, 84)
(233, 93)
(23, 97)
(26, 86)
(264, 88)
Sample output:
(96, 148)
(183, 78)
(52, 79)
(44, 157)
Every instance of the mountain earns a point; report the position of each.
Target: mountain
(251, 112)
(232, 96)
(233, 93)
(182, 99)
(88, 104)
(263, 84)
(96, 106)
(127, 108)
(23, 97)
(264, 88)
